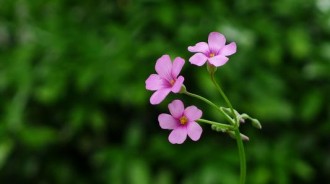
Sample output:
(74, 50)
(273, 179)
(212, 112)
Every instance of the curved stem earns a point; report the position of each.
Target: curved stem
(225, 126)
(241, 156)
(237, 132)
(224, 97)
(210, 103)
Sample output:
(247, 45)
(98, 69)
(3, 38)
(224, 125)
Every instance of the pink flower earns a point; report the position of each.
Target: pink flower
(182, 122)
(166, 79)
(215, 52)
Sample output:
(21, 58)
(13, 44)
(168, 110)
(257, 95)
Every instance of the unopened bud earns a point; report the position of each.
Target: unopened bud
(231, 134)
(256, 123)
(217, 128)
(243, 137)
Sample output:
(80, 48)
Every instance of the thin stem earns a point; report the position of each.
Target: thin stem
(237, 133)
(241, 156)
(209, 103)
(225, 126)
(224, 97)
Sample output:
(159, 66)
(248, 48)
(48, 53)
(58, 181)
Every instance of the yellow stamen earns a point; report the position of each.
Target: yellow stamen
(172, 82)
(183, 120)
(212, 55)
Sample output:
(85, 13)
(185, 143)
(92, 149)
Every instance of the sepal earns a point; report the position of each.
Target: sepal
(211, 68)
(183, 89)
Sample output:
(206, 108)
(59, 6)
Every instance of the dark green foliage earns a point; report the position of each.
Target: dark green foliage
(74, 108)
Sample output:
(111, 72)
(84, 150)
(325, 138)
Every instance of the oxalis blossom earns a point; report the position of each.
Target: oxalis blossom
(215, 52)
(166, 80)
(182, 122)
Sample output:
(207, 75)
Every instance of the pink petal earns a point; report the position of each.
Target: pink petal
(177, 85)
(176, 108)
(159, 96)
(216, 41)
(193, 113)
(166, 121)
(178, 135)
(164, 67)
(218, 60)
(154, 82)
(177, 66)
(228, 49)
(194, 130)
(199, 47)
(198, 59)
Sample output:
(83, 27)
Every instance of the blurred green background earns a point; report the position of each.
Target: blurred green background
(74, 108)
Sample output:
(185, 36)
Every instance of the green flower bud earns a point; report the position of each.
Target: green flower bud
(214, 127)
(256, 123)
(217, 128)
(231, 134)
(243, 137)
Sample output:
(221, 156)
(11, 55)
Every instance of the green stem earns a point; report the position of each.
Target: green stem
(225, 126)
(224, 96)
(237, 133)
(210, 103)
(241, 155)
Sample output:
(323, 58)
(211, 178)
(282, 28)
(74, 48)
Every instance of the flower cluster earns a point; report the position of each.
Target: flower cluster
(182, 121)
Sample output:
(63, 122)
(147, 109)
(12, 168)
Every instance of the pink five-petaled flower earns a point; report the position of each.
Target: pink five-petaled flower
(182, 122)
(215, 51)
(166, 79)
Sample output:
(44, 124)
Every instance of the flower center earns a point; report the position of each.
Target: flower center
(183, 120)
(212, 54)
(172, 82)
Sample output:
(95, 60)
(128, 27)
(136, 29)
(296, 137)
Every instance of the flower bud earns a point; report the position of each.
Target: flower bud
(243, 137)
(231, 134)
(217, 128)
(256, 123)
